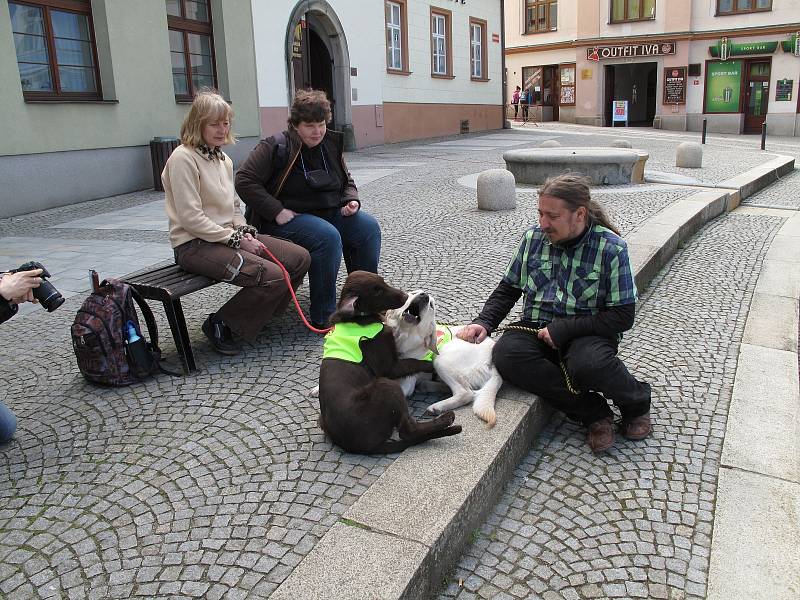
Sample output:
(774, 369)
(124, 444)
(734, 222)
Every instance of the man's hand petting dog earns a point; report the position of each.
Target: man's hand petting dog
(473, 333)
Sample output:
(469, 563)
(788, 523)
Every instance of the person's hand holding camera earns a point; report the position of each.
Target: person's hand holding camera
(18, 287)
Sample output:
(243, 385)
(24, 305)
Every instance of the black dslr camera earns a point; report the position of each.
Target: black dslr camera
(47, 295)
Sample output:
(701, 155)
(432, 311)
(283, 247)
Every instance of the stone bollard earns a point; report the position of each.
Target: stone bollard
(620, 144)
(689, 155)
(497, 190)
(549, 144)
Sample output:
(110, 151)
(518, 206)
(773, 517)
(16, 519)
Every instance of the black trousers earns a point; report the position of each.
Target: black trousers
(593, 367)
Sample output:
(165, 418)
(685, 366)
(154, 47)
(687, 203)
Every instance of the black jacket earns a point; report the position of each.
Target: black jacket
(261, 177)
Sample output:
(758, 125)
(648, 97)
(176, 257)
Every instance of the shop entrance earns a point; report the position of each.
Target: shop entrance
(636, 83)
(756, 96)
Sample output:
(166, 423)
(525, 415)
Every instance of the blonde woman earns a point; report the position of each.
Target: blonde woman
(209, 234)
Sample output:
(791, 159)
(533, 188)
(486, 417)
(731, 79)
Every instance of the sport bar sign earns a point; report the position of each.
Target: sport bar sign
(598, 53)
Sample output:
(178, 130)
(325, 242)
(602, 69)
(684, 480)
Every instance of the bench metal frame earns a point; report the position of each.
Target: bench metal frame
(168, 283)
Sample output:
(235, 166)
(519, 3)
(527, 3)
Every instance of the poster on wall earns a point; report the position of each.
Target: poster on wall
(568, 95)
(723, 86)
(674, 85)
(783, 90)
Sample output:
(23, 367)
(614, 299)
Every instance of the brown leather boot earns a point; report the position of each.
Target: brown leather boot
(601, 435)
(636, 428)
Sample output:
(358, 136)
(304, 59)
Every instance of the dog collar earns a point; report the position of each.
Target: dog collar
(443, 335)
(343, 341)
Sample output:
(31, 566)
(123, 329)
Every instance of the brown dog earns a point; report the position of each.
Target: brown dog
(360, 402)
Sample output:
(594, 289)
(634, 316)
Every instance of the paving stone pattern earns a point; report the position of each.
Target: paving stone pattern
(216, 485)
(785, 193)
(635, 522)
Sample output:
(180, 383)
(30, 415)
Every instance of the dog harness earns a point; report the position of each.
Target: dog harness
(343, 340)
(443, 335)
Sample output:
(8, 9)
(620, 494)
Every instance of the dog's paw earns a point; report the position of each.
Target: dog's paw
(433, 410)
(446, 418)
(314, 392)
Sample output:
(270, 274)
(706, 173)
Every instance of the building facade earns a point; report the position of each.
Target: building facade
(669, 64)
(87, 84)
(395, 70)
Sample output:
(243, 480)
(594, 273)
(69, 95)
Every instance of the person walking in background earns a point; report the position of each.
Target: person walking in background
(515, 100)
(579, 296)
(296, 186)
(209, 234)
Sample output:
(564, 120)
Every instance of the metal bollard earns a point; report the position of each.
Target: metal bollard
(763, 134)
(705, 123)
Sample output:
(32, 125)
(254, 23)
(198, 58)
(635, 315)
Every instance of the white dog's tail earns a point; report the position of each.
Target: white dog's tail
(483, 407)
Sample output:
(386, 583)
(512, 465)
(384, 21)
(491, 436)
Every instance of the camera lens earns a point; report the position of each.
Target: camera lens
(48, 296)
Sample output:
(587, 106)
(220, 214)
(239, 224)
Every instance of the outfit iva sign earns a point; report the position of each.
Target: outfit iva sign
(723, 86)
(598, 53)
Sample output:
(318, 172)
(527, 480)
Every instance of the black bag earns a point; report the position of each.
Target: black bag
(108, 340)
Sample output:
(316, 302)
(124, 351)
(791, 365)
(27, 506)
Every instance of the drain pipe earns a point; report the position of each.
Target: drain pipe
(506, 122)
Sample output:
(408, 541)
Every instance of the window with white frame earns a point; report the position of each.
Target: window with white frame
(394, 36)
(476, 50)
(439, 43)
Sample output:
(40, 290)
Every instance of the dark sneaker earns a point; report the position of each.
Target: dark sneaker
(220, 336)
(636, 428)
(601, 435)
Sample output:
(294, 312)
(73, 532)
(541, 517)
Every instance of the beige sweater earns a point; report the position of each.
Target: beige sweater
(200, 199)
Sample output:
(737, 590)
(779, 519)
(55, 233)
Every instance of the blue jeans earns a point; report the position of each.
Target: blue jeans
(8, 423)
(357, 237)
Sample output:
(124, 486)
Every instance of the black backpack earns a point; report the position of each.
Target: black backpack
(108, 350)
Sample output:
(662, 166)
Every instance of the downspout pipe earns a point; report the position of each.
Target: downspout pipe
(506, 122)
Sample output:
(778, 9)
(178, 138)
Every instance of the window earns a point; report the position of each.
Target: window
(567, 85)
(541, 15)
(477, 50)
(56, 51)
(632, 10)
(441, 43)
(396, 37)
(733, 7)
(191, 46)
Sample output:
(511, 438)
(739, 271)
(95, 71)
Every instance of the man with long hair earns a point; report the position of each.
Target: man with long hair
(580, 295)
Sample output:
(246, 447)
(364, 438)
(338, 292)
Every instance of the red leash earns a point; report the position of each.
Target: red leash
(294, 296)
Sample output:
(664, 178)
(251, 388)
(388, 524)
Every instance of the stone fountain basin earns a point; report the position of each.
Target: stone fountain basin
(604, 166)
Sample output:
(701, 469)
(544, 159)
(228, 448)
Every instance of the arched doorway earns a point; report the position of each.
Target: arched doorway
(317, 57)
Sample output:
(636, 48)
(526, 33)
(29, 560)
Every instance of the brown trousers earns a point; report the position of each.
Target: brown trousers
(264, 291)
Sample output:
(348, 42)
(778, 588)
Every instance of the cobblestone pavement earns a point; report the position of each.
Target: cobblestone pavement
(219, 483)
(637, 521)
(785, 193)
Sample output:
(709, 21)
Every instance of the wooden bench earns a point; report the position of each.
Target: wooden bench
(167, 282)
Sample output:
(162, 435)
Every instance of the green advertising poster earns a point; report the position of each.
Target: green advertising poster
(723, 86)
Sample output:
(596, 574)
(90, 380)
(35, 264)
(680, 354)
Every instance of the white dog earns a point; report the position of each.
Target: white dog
(465, 367)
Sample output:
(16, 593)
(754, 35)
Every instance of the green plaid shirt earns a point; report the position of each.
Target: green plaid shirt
(580, 279)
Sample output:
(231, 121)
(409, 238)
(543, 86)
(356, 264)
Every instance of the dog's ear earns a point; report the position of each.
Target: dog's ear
(347, 307)
(430, 342)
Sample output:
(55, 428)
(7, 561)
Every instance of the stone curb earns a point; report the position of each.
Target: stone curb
(758, 497)
(406, 532)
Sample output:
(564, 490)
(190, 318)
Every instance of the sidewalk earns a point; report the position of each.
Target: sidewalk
(220, 484)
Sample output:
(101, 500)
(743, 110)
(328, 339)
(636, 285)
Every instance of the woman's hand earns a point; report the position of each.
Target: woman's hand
(351, 208)
(251, 245)
(18, 287)
(286, 215)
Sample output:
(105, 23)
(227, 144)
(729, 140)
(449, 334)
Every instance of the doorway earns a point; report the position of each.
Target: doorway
(756, 96)
(318, 58)
(637, 83)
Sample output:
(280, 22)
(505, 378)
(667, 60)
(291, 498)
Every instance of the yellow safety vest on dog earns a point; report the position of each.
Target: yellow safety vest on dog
(443, 335)
(342, 341)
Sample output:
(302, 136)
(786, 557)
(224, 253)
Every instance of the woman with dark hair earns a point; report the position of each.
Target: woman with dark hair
(208, 232)
(296, 186)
